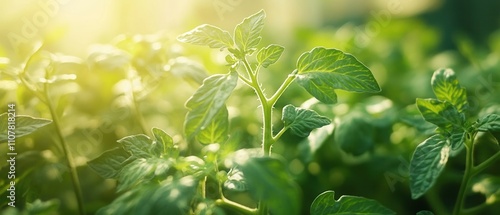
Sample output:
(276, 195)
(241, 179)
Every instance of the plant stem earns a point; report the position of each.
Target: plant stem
(223, 202)
(282, 88)
(469, 164)
(485, 164)
(67, 152)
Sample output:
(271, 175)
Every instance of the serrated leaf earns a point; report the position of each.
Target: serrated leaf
(217, 130)
(489, 186)
(321, 71)
(163, 143)
(457, 142)
(427, 162)
(141, 171)
(269, 55)
(24, 125)
(355, 134)
(138, 146)
(109, 163)
(302, 121)
(325, 203)
(267, 180)
(169, 197)
(207, 102)
(208, 35)
(489, 123)
(440, 113)
(446, 87)
(247, 33)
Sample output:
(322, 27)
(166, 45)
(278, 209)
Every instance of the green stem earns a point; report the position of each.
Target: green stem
(469, 164)
(67, 152)
(281, 132)
(475, 209)
(223, 202)
(485, 164)
(282, 88)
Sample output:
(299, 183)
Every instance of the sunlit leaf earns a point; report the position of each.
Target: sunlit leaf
(302, 121)
(217, 130)
(163, 142)
(141, 171)
(446, 87)
(187, 69)
(109, 163)
(137, 145)
(24, 125)
(321, 71)
(440, 113)
(267, 180)
(169, 197)
(208, 35)
(207, 101)
(269, 55)
(247, 33)
(427, 162)
(235, 180)
(325, 203)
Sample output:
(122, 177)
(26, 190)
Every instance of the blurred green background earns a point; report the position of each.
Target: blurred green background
(401, 41)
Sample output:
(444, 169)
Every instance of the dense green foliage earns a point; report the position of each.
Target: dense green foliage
(165, 135)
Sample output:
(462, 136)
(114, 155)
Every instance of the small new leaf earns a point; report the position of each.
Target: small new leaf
(269, 55)
(440, 113)
(247, 33)
(321, 71)
(207, 102)
(163, 143)
(489, 123)
(208, 35)
(302, 121)
(446, 87)
(24, 125)
(325, 203)
(109, 163)
(427, 162)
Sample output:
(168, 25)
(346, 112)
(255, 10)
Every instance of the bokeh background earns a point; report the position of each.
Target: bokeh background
(401, 41)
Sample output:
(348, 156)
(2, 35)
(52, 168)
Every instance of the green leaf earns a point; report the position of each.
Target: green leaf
(141, 171)
(457, 142)
(45, 207)
(138, 146)
(217, 130)
(24, 125)
(269, 55)
(163, 144)
(489, 123)
(321, 71)
(440, 113)
(208, 35)
(187, 69)
(302, 121)
(109, 163)
(325, 203)
(446, 87)
(267, 180)
(247, 33)
(235, 181)
(427, 162)
(171, 197)
(207, 101)
(355, 133)
(489, 186)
